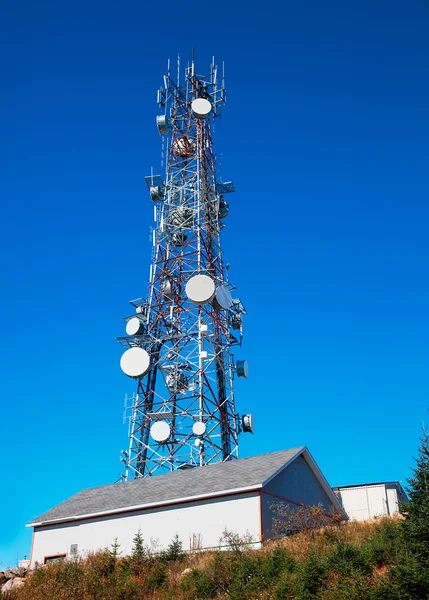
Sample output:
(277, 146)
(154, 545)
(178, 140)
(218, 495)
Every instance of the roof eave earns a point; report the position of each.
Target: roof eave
(148, 505)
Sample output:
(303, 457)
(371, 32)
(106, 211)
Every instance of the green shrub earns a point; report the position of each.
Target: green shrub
(156, 576)
(383, 545)
(410, 577)
(174, 550)
(354, 587)
(71, 576)
(277, 561)
(248, 575)
(199, 585)
(347, 560)
(284, 588)
(310, 576)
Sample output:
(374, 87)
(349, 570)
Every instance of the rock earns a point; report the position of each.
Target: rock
(18, 571)
(12, 584)
(185, 572)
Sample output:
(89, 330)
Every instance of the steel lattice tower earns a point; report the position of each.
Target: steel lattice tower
(180, 338)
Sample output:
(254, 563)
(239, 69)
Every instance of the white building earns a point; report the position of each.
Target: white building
(362, 502)
(197, 504)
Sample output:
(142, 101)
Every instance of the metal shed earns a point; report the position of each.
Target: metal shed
(366, 501)
(197, 505)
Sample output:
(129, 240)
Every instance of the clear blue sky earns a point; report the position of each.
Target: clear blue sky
(326, 136)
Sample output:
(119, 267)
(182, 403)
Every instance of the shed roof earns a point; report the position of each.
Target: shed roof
(390, 484)
(245, 474)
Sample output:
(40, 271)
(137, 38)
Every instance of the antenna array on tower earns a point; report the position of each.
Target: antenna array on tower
(180, 339)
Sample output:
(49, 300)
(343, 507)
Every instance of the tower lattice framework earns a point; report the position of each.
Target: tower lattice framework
(181, 337)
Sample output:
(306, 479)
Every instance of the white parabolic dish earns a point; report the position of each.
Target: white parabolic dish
(200, 289)
(160, 431)
(135, 362)
(199, 428)
(134, 326)
(201, 108)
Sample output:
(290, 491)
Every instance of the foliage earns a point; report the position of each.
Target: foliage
(290, 519)
(174, 550)
(352, 561)
(234, 541)
(416, 511)
(138, 554)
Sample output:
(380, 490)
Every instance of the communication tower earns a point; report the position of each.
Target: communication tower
(180, 338)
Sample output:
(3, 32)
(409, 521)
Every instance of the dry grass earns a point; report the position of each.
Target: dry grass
(349, 532)
(227, 574)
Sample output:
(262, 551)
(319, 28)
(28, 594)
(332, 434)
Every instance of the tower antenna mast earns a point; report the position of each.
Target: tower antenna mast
(181, 337)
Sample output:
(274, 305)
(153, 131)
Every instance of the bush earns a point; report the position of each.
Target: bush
(347, 560)
(289, 519)
(174, 550)
(284, 589)
(383, 545)
(310, 576)
(156, 577)
(277, 561)
(199, 585)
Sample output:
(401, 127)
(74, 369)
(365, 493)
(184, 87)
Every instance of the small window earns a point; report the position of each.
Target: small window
(73, 549)
(53, 558)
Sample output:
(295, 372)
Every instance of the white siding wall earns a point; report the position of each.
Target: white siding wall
(392, 499)
(365, 502)
(208, 518)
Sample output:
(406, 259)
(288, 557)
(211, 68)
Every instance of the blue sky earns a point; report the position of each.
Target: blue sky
(326, 137)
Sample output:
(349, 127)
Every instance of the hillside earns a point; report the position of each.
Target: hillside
(369, 560)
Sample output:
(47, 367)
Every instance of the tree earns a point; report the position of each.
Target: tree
(416, 511)
(138, 554)
(114, 550)
(174, 550)
(138, 551)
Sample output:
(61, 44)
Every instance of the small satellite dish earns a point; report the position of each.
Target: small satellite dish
(184, 147)
(201, 108)
(199, 428)
(166, 288)
(176, 381)
(157, 193)
(134, 326)
(179, 239)
(163, 124)
(223, 208)
(247, 423)
(160, 431)
(200, 289)
(222, 299)
(242, 368)
(182, 216)
(236, 321)
(135, 362)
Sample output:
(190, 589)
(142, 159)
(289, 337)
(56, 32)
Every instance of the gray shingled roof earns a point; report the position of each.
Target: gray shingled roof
(202, 481)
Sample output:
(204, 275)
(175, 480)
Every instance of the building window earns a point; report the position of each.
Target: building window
(53, 558)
